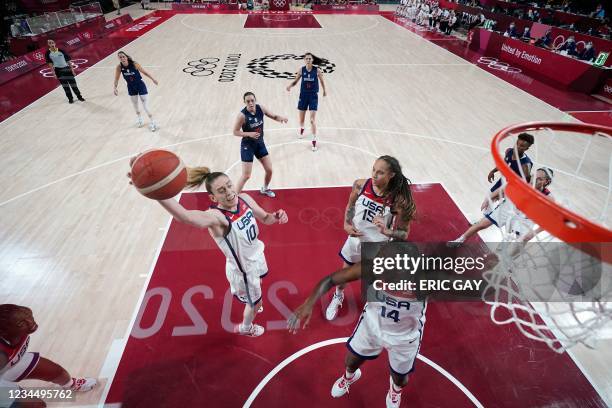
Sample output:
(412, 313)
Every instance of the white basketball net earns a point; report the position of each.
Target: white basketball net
(554, 292)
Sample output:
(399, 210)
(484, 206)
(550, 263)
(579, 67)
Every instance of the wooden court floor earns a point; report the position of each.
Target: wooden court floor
(77, 243)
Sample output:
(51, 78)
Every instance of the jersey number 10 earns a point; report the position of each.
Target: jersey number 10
(251, 233)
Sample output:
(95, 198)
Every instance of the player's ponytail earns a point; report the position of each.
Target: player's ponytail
(196, 176)
(315, 60)
(398, 191)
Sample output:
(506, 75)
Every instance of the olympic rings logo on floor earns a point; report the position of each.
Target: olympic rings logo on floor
(202, 67)
(494, 63)
(261, 66)
(320, 219)
(75, 63)
(280, 3)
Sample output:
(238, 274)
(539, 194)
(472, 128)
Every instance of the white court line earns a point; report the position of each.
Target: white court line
(78, 173)
(309, 33)
(416, 65)
(391, 132)
(593, 111)
(325, 343)
(324, 141)
(115, 66)
(116, 351)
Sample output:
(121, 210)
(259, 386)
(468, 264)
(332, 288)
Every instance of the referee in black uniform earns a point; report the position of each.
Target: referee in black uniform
(59, 61)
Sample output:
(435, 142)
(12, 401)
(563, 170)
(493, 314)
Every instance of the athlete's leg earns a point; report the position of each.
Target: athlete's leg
(248, 315)
(394, 395)
(302, 117)
(134, 99)
(144, 98)
(399, 381)
(479, 226)
(247, 168)
(247, 327)
(313, 123)
(352, 362)
(340, 288)
(47, 370)
(266, 162)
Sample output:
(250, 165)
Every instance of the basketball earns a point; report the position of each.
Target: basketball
(158, 174)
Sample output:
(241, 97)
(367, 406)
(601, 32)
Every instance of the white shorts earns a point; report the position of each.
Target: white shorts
(367, 342)
(507, 216)
(351, 250)
(247, 285)
(9, 377)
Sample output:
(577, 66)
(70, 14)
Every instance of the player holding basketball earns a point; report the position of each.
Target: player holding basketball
(506, 214)
(369, 214)
(17, 363)
(393, 321)
(513, 157)
(131, 72)
(309, 93)
(249, 126)
(231, 221)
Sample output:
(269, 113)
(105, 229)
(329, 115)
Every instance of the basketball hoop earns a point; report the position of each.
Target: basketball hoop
(557, 288)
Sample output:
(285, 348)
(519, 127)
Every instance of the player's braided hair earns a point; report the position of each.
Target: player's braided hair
(7, 311)
(398, 191)
(198, 175)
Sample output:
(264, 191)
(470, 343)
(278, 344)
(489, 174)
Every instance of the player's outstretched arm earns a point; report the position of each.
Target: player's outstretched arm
(196, 218)
(117, 74)
(145, 73)
(298, 75)
(304, 311)
(277, 217)
(274, 116)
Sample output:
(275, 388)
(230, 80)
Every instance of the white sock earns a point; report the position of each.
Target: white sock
(339, 290)
(395, 387)
(349, 375)
(460, 239)
(69, 384)
(244, 328)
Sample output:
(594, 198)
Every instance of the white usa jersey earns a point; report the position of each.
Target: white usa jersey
(368, 206)
(397, 317)
(241, 245)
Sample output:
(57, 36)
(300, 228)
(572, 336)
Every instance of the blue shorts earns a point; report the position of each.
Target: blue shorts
(251, 147)
(308, 101)
(137, 88)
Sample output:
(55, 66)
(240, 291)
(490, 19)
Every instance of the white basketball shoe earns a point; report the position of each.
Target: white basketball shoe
(342, 384)
(334, 306)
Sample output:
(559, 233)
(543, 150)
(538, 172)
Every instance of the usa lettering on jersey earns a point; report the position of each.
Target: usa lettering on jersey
(247, 225)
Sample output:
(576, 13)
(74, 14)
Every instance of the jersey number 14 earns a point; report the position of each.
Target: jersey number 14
(392, 314)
